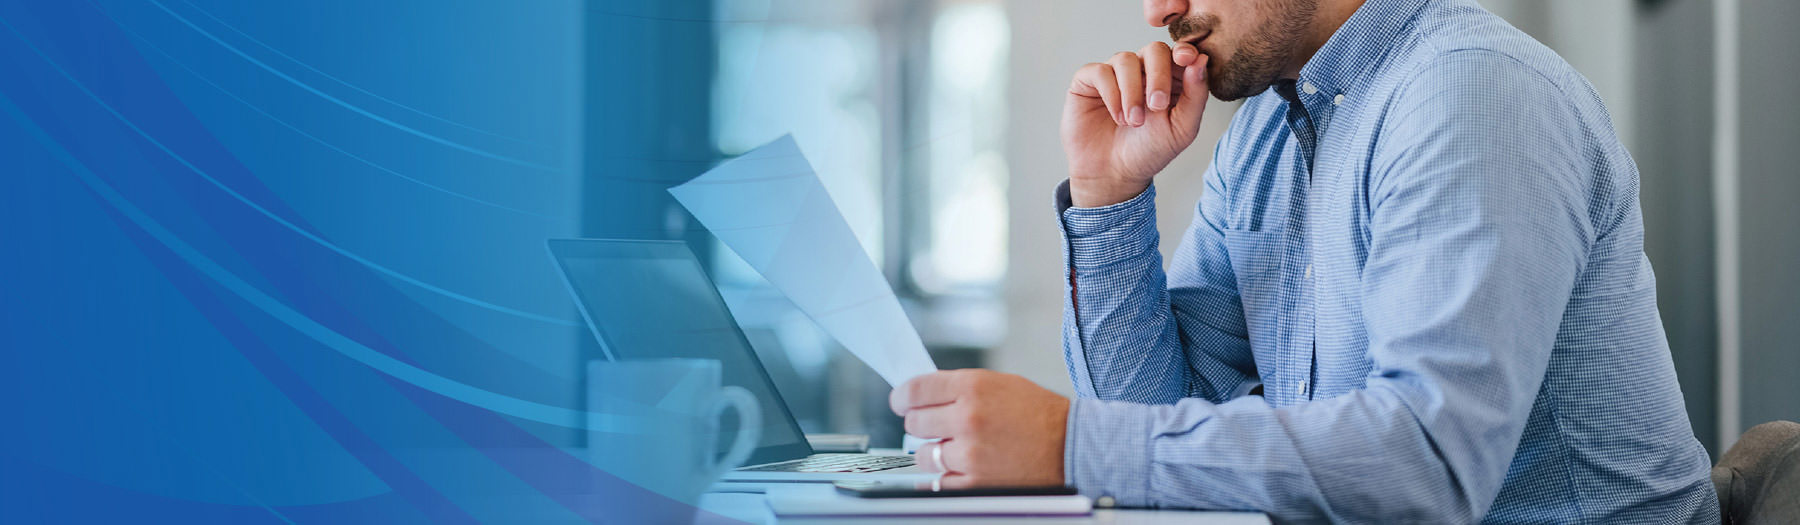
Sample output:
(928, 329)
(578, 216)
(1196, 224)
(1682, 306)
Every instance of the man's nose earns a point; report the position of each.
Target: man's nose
(1161, 13)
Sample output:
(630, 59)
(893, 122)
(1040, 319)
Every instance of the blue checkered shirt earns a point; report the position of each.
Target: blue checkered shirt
(1428, 252)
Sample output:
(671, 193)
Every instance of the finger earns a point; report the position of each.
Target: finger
(954, 457)
(927, 461)
(937, 388)
(924, 459)
(1192, 104)
(1184, 54)
(934, 422)
(957, 481)
(1128, 67)
(1098, 81)
(1158, 66)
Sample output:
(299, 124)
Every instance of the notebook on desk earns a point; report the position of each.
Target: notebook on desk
(823, 500)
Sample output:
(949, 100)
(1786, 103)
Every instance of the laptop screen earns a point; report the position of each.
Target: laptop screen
(652, 299)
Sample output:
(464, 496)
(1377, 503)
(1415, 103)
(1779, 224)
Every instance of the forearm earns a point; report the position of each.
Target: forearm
(1359, 458)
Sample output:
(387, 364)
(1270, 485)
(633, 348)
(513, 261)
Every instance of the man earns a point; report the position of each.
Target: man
(1414, 289)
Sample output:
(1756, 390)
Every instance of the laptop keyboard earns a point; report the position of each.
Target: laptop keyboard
(844, 463)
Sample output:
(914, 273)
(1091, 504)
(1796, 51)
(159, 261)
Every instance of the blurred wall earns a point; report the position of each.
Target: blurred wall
(1674, 152)
(1767, 131)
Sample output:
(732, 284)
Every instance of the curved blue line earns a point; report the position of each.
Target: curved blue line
(303, 133)
(309, 67)
(347, 105)
(401, 370)
(271, 215)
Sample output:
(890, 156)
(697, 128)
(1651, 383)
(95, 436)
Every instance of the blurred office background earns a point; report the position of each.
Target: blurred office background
(934, 126)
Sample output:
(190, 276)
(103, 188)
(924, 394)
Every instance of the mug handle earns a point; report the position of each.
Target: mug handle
(749, 427)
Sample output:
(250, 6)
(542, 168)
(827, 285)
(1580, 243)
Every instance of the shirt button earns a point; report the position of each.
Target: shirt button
(1309, 88)
(1302, 389)
(1308, 271)
(1338, 99)
(1105, 502)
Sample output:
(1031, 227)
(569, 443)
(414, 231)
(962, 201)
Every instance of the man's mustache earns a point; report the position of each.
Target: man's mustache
(1190, 26)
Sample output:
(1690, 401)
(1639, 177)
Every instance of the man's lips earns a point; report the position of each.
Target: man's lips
(1195, 41)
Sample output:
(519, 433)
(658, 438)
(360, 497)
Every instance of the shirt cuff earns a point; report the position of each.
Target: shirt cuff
(1100, 236)
(1106, 450)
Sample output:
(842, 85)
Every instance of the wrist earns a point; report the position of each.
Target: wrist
(1096, 193)
(1109, 449)
(1059, 412)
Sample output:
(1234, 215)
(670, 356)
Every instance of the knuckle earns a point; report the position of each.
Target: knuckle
(985, 382)
(972, 422)
(909, 392)
(1156, 46)
(947, 419)
(967, 379)
(1123, 57)
(978, 389)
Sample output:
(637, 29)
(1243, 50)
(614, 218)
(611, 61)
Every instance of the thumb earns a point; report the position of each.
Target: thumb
(1185, 116)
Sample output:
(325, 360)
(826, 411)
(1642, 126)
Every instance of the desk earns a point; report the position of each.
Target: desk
(572, 493)
(751, 508)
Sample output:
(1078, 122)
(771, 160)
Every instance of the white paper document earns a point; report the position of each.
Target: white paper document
(770, 208)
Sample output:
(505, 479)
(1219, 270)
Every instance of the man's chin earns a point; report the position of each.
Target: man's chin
(1234, 94)
(1239, 94)
(1229, 85)
(1217, 70)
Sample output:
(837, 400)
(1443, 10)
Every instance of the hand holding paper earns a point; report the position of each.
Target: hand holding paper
(769, 207)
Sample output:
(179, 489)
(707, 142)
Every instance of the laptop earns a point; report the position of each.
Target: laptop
(653, 299)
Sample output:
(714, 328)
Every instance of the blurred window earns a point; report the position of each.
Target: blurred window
(964, 249)
(817, 82)
(900, 108)
(873, 91)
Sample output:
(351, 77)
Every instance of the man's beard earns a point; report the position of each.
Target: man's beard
(1259, 58)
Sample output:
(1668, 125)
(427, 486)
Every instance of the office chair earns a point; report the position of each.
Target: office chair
(1758, 480)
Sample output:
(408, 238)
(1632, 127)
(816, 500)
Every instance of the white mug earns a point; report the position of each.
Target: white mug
(655, 423)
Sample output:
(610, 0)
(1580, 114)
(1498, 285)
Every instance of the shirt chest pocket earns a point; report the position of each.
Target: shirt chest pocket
(1256, 261)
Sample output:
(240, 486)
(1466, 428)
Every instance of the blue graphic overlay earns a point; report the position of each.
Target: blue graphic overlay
(284, 261)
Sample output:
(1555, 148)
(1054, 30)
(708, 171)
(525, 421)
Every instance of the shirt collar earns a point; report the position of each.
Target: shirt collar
(1363, 39)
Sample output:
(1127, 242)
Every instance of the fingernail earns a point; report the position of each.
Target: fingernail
(1136, 115)
(1159, 100)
